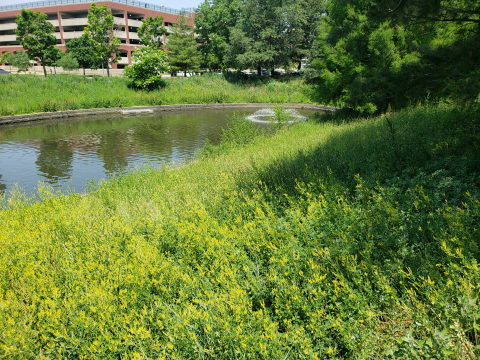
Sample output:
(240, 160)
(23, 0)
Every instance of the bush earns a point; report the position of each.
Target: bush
(145, 72)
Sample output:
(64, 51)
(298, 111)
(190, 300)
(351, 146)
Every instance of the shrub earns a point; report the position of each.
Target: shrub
(145, 72)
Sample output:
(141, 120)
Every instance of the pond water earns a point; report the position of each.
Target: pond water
(67, 154)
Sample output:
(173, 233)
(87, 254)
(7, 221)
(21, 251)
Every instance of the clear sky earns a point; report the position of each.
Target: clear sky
(175, 4)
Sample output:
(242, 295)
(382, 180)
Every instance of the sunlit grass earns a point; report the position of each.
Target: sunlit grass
(23, 94)
(325, 240)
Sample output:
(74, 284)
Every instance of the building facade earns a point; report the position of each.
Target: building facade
(70, 18)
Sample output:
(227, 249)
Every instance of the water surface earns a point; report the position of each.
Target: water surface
(67, 154)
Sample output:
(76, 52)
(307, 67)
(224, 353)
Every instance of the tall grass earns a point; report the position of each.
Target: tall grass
(22, 94)
(329, 241)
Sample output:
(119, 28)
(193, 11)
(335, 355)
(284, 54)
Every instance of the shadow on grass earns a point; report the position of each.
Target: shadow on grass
(424, 146)
(386, 191)
(239, 78)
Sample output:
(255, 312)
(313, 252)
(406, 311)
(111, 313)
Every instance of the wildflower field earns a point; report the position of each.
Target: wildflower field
(25, 94)
(326, 240)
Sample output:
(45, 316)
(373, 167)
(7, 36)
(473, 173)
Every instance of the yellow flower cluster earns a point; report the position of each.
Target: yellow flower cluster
(223, 261)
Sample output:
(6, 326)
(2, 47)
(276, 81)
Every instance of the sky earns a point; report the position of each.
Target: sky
(175, 4)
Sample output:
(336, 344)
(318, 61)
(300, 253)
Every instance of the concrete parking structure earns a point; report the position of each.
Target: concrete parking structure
(70, 18)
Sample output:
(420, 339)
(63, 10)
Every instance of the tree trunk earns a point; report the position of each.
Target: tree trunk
(272, 72)
(55, 69)
(44, 70)
(299, 65)
(259, 71)
(108, 71)
(83, 71)
(184, 73)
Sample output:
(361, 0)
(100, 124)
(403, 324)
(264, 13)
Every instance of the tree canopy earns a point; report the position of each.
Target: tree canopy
(99, 32)
(182, 47)
(53, 55)
(5, 59)
(258, 33)
(148, 64)
(213, 24)
(151, 31)
(34, 33)
(20, 60)
(68, 62)
(389, 54)
(81, 50)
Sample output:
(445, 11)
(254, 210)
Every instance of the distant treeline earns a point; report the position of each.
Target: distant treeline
(366, 56)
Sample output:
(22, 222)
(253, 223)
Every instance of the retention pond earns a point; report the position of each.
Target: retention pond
(65, 154)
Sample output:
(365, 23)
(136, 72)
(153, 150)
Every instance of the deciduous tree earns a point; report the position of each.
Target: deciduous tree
(259, 40)
(302, 20)
(81, 50)
(34, 33)
(53, 55)
(5, 59)
(99, 33)
(151, 32)
(213, 23)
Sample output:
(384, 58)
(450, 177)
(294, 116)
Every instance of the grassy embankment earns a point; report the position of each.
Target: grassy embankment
(24, 94)
(358, 240)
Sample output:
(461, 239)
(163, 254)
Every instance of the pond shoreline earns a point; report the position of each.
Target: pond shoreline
(137, 111)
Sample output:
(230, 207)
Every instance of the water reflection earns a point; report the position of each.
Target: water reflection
(69, 153)
(55, 160)
(3, 187)
(114, 150)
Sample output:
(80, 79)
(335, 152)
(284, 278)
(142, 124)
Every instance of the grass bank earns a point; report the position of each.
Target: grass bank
(330, 241)
(25, 94)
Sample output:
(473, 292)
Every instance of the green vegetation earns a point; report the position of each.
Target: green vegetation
(148, 65)
(34, 33)
(68, 62)
(53, 55)
(367, 57)
(82, 51)
(5, 58)
(20, 60)
(391, 54)
(151, 31)
(258, 34)
(326, 240)
(99, 33)
(182, 48)
(24, 94)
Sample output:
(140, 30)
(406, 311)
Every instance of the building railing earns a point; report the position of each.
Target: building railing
(141, 4)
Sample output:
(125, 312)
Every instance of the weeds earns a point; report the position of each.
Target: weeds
(311, 243)
(20, 94)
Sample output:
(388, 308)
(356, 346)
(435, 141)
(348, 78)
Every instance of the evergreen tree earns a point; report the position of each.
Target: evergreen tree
(20, 60)
(34, 33)
(68, 63)
(378, 54)
(182, 51)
